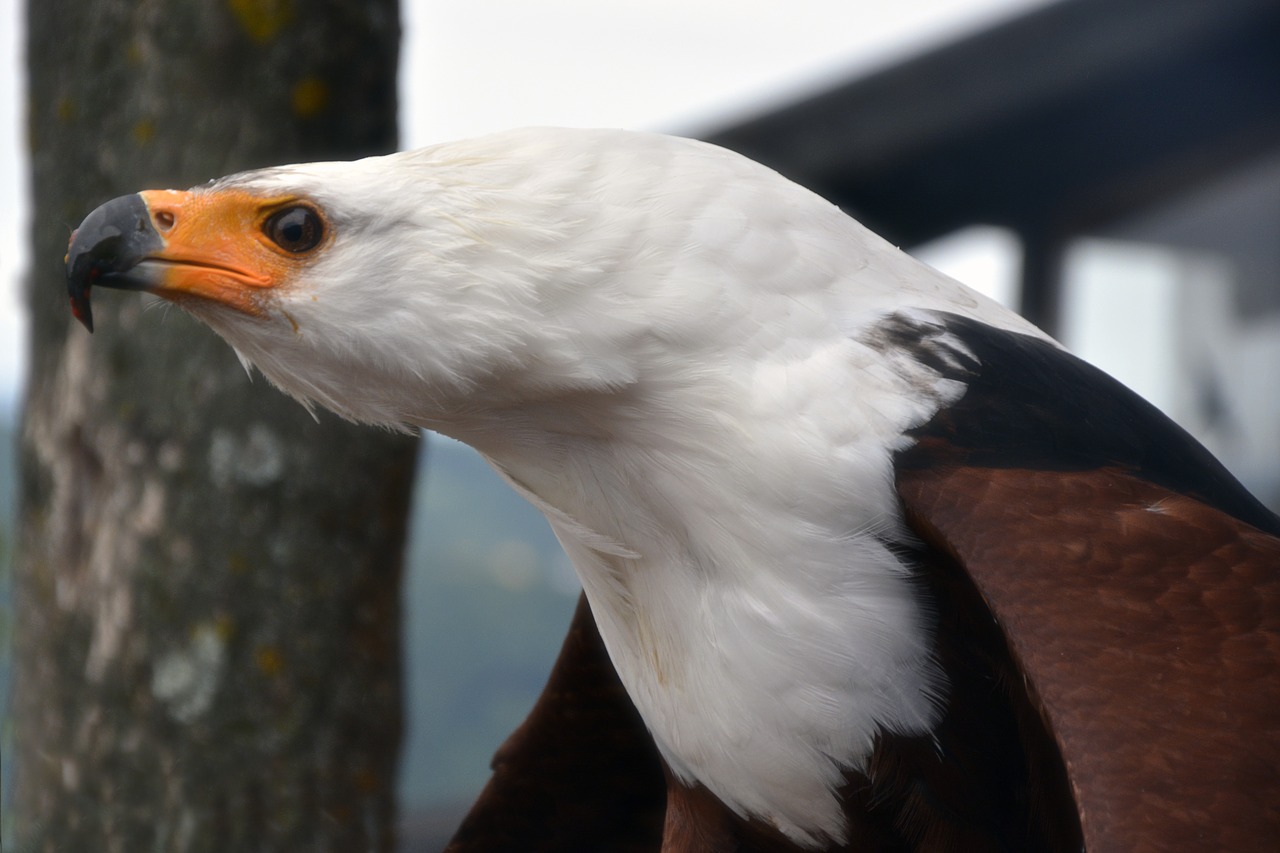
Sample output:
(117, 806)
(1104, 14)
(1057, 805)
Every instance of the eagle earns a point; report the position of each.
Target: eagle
(869, 562)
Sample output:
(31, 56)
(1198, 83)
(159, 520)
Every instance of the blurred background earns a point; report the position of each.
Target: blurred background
(1109, 167)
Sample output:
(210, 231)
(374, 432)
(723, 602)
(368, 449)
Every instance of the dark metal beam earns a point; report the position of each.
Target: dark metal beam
(1064, 119)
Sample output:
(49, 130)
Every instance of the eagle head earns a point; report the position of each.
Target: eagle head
(425, 285)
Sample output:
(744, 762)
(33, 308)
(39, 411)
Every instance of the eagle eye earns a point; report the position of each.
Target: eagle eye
(295, 229)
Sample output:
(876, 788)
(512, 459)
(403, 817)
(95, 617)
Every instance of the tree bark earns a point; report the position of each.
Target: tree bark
(207, 579)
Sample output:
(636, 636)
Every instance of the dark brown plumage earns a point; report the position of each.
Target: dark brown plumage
(1148, 625)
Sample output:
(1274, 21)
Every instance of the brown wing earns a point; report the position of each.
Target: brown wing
(1135, 581)
(1147, 626)
(581, 772)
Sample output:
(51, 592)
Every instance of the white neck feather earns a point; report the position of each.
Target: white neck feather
(734, 553)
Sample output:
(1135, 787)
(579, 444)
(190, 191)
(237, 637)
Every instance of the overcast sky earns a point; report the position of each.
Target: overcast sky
(471, 66)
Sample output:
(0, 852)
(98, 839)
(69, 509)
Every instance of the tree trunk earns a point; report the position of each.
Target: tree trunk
(207, 578)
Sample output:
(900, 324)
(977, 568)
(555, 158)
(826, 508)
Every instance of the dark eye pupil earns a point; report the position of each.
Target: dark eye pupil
(295, 229)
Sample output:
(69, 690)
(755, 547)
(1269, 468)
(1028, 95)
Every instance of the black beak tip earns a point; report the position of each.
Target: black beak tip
(78, 288)
(110, 242)
(81, 309)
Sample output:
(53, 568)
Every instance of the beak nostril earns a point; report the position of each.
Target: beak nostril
(164, 219)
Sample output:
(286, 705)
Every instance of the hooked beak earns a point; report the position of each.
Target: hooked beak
(107, 249)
